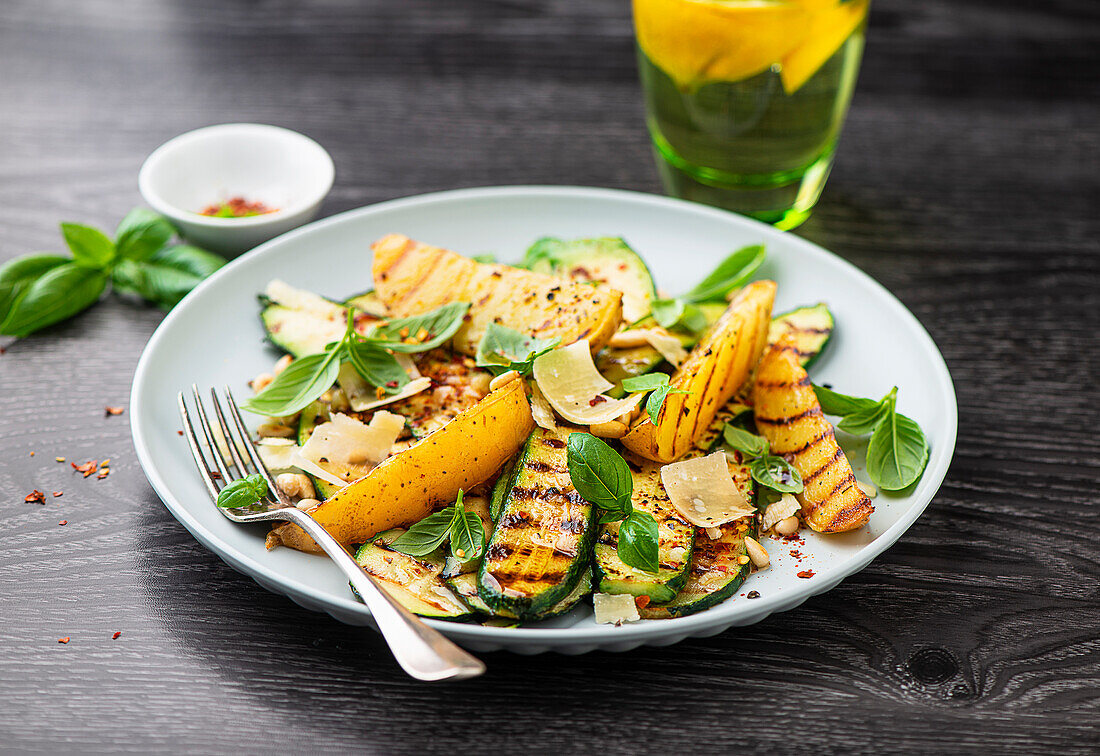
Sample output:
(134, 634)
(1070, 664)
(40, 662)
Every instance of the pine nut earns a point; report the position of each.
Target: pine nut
(503, 380)
(295, 484)
(283, 363)
(275, 430)
(634, 337)
(261, 381)
(868, 490)
(787, 527)
(610, 429)
(307, 504)
(757, 553)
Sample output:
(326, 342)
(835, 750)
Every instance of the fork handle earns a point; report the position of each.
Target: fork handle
(424, 653)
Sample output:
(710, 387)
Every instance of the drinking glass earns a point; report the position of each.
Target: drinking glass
(745, 98)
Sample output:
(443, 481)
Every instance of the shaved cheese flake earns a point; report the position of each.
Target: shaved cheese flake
(299, 299)
(410, 389)
(574, 388)
(345, 440)
(702, 490)
(614, 608)
(316, 470)
(779, 510)
(668, 345)
(541, 411)
(277, 454)
(407, 364)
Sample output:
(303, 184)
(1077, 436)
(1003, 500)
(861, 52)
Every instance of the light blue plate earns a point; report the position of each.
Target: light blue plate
(214, 338)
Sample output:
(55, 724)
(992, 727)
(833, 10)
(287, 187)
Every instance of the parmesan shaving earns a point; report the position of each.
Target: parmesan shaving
(778, 511)
(574, 388)
(614, 608)
(346, 440)
(702, 490)
(277, 454)
(541, 411)
(411, 389)
(316, 470)
(407, 364)
(668, 345)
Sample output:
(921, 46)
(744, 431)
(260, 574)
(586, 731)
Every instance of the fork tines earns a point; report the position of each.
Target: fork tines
(228, 462)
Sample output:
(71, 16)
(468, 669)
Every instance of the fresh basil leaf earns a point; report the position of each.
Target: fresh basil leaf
(305, 379)
(638, 541)
(189, 259)
(749, 444)
(693, 319)
(427, 535)
(89, 245)
(377, 366)
(732, 272)
(16, 276)
(667, 312)
(485, 259)
(438, 326)
(898, 452)
(243, 492)
(502, 349)
(141, 233)
(776, 473)
(655, 402)
(57, 294)
(864, 421)
(167, 276)
(467, 532)
(647, 382)
(542, 249)
(840, 405)
(599, 474)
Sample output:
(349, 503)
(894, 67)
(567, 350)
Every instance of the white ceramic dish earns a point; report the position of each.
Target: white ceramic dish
(279, 167)
(213, 338)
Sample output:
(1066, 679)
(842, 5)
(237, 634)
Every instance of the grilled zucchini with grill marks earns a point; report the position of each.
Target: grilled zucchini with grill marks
(413, 581)
(788, 414)
(465, 587)
(674, 543)
(541, 543)
(413, 278)
(810, 327)
(501, 488)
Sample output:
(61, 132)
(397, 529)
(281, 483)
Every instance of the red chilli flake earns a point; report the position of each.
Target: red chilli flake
(806, 574)
(596, 400)
(35, 496)
(63, 640)
(113, 410)
(391, 384)
(179, 433)
(115, 636)
(63, 522)
(58, 494)
(641, 601)
(87, 468)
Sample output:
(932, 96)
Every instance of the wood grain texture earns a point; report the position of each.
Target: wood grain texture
(966, 182)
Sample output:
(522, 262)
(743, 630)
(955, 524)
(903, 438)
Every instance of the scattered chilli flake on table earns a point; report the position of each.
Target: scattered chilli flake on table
(113, 411)
(63, 522)
(88, 468)
(116, 635)
(35, 496)
(63, 640)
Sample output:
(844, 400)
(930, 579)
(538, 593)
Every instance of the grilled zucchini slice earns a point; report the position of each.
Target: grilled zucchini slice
(541, 543)
(413, 278)
(501, 489)
(300, 322)
(608, 261)
(716, 572)
(674, 544)
(788, 414)
(465, 587)
(413, 581)
(810, 327)
(368, 302)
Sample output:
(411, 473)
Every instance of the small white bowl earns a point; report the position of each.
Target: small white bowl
(279, 167)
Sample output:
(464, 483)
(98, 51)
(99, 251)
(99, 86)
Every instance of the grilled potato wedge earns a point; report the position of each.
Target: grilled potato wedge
(412, 278)
(789, 416)
(406, 487)
(716, 368)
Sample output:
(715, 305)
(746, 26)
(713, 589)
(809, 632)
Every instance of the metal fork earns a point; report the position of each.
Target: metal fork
(421, 651)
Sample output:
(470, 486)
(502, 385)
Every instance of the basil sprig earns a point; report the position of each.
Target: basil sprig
(41, 289)
(371, 356)
(243, 492)
(898, 451)
(603, 478)
(766, 469)
(657, 384)
(502, 349)
(463, 529)
(734, 271)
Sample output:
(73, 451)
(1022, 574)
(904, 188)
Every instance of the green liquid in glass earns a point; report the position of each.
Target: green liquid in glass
(747, 145)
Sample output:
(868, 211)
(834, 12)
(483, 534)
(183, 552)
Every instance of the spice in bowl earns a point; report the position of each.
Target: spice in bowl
(237, 207)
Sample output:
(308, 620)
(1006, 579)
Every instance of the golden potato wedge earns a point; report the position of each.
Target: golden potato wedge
(406, 487)
(412, 278)
(789, 416)
(716, 368)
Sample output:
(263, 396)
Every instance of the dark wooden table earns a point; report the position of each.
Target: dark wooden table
(967, 182)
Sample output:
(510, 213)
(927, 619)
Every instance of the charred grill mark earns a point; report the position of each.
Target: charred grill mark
(572, 525)
(845, 482)
(519, 492)
(824, 466)
(429, 270)
(812, 412)
(828, 432)
(804, 381)
(542, 467)
(515, 521)
(498, 551)
(554, 443)
(506, 576)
